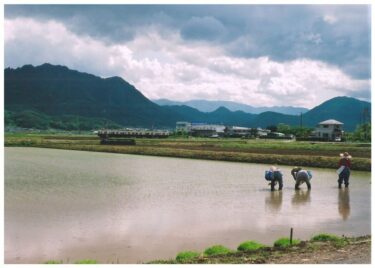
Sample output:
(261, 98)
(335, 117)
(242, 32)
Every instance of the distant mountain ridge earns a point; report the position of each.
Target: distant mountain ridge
(220, 116)
(56, 91)
(210, 106)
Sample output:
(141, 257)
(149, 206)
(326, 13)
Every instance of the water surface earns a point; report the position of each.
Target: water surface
(72, 205)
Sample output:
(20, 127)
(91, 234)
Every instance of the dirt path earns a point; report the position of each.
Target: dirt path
(353, 251)
(356, 252)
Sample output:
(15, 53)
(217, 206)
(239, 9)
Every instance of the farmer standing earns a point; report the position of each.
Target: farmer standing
(300, 176)
(344, 169)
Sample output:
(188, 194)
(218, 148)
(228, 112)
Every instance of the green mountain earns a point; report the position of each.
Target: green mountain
(56, 91)
(350, 111)
(50, 96)
(271, 118)
(37, 120)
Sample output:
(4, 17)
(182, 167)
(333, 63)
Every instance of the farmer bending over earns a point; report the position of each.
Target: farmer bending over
(300, 176)
(277, 177)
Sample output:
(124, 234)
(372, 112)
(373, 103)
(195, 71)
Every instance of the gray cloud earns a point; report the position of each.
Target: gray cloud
(173, 68)
(337, 34)
(247, 53)
(207, 28)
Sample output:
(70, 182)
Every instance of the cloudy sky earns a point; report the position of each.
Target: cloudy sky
(259, 55)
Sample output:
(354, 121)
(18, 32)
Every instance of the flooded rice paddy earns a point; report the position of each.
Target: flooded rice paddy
(72, 205)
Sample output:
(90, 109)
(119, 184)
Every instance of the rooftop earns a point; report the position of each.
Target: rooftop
(331, 122)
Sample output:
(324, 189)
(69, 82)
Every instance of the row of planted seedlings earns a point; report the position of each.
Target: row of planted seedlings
(252, 246)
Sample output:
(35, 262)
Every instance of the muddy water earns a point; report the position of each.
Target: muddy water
(70, 205)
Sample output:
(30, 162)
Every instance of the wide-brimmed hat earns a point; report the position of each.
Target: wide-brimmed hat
(345, 155)
(273, 168)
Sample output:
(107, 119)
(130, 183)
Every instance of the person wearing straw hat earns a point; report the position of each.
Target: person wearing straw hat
(276, 177)
(301, 176)
(344, 169)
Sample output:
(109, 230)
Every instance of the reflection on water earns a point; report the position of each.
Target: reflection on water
(344, 203)
(274, 200)
(301, 197)
(110, 207)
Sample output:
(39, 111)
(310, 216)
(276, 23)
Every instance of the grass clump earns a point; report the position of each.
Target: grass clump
(250, 246)
(285, 242)
(186, 256)
(170, 261)
(86, 262)
(338, 241)
(325, 237)
(216, 250)
(341, 243)
(53, 262)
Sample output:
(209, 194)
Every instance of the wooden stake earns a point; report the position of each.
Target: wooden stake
(291, 235)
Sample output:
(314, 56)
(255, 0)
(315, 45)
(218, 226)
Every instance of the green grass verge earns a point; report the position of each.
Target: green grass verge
(216, 250)
(53, 262)
(250, 246)
(285, 242)
(325, 237)
(338, 241)
(86, 262)
(186, 256)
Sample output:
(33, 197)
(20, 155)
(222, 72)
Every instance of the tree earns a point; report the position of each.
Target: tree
(273, 128)
(362, 133)
(31, 119)
(294, 130)
(8, 118)
(254, 132)
(284, 128)
(302, 131)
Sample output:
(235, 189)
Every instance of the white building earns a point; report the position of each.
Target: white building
(263, 132)
(207, 130)
(276, 134)
(200, 129)
(234, 131)
(183, 127)
(330, 129)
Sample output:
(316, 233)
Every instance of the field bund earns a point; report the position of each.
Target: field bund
(307, 154)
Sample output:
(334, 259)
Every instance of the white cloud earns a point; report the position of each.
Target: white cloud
(330, 19)
(166, 66)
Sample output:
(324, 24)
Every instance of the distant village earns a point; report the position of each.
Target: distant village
(328, 130)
